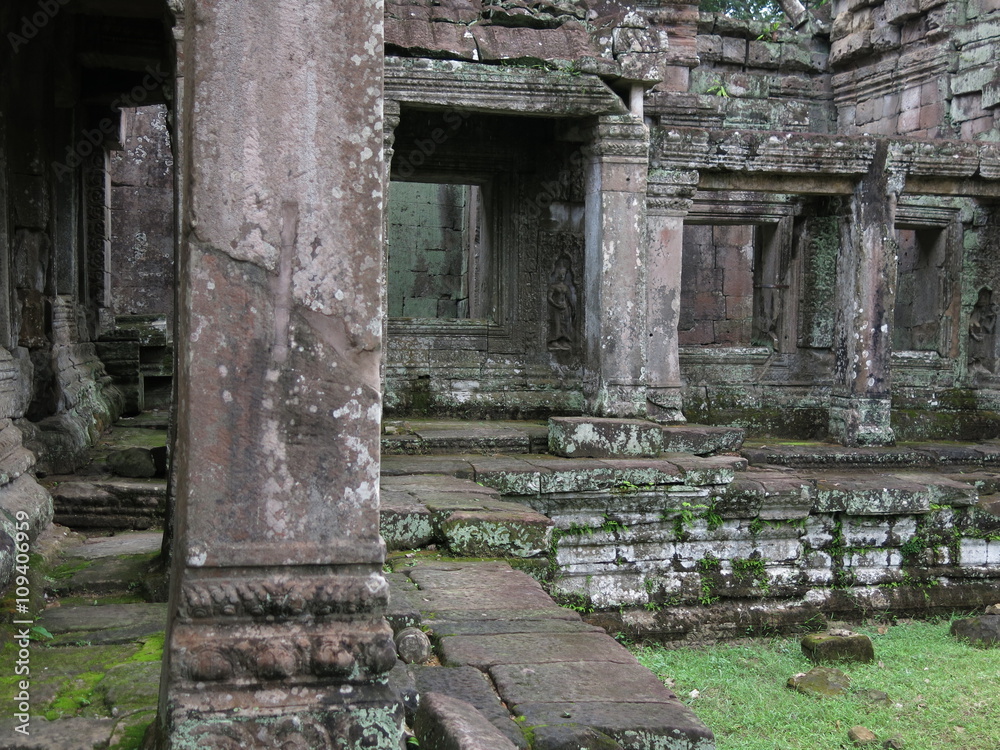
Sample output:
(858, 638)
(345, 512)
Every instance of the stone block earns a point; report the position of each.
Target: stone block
(447, 723)
(571, 736)
(135, 463)
(852, 46)
(403, 522)
(761, 54)
(821, 682)
(483, 652)
(633, 725)
(702, 440)
(931, 115)
(822, 648)
(979, 631)
(973, 552)
(492, 533)
(910, 98)
(734, 51)
(897, 11)
(709, 47)
(603, 438)
(470, 685)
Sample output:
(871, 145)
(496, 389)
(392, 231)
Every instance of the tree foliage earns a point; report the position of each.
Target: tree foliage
(750, 10)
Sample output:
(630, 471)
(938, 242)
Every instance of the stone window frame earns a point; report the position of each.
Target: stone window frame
(760, 209)
(946, 221)
(497, 273)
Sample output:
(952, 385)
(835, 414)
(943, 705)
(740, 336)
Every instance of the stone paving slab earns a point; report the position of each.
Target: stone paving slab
(636, 726)
(64, 734)
(441, 480)
(423, 436)
(106, 575)
(483, 652)
(151, 618)
(507, 627)
(411, 466)
(473, 686)
(447, 723)
(138, 543)
(573, 682)
(442, 574)
(482, 600)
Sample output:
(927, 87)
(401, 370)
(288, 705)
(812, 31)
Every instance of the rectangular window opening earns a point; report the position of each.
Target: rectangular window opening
(921, 292)
(437, 246)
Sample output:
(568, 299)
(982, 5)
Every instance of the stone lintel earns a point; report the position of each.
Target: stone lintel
(824, 164)
(475, 87)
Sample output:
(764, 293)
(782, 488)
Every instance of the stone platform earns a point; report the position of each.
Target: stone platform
(682, 546)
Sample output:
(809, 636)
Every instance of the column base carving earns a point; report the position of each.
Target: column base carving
(857, 421)
(350, 716)
(617, 400)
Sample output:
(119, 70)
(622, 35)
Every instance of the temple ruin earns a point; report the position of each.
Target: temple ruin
(702, 311)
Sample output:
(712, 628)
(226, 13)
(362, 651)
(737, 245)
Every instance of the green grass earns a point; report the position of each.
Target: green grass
(943, 694)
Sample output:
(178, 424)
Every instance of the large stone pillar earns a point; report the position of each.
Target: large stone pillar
(276, 637)
(865, 296)
(618, 157)
(669, 198)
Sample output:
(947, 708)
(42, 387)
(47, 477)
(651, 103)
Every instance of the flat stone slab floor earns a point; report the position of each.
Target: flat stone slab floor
(560, 679)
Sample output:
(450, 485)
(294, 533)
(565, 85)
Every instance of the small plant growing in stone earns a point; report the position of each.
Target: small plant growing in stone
(612, 525)
(718, 88)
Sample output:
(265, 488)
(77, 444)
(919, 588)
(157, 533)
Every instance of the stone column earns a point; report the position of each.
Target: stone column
(865, 296)
(616, 268)
(668, 200)
(276, 635)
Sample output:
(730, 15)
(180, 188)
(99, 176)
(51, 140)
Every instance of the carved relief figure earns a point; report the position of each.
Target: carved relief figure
(562, 300)
(982, 333)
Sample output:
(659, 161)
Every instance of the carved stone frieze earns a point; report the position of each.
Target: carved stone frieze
(258, 598)
(348, 651)
(619, 136)
(671, 191)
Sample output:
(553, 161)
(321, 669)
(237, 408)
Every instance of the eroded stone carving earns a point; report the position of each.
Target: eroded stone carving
(281, 599)
(983, 333)
(562, 299)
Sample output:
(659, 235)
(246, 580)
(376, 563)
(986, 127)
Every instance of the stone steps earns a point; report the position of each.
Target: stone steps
(501, 638)
(106, 502)
(470, 519)
(916, 455)
(570, 437)
(434, 436)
